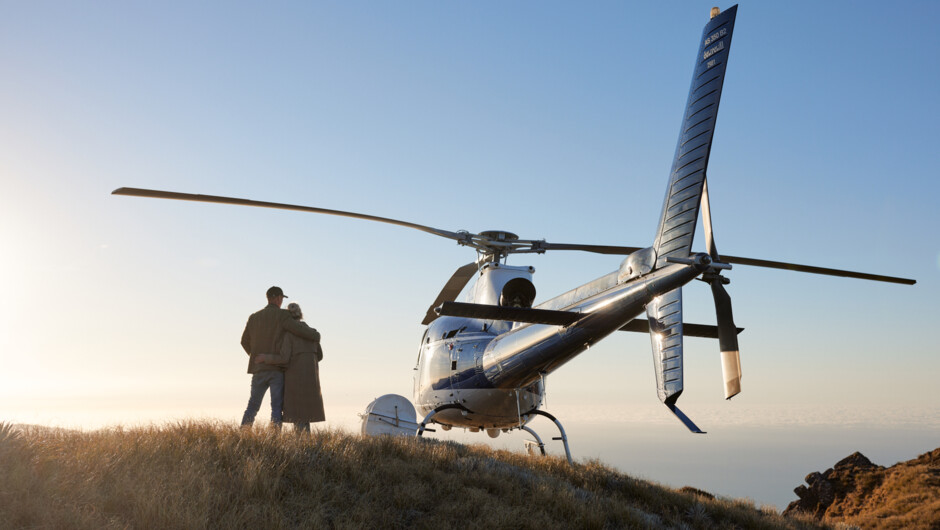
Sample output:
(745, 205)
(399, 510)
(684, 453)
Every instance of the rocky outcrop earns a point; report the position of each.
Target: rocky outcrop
(859, 492)
(854, 474)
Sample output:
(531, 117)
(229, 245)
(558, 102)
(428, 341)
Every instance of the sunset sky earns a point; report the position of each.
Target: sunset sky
(551, 120)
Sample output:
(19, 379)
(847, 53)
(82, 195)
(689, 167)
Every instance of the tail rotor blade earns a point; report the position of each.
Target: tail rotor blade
(707, 222)
(727, 339)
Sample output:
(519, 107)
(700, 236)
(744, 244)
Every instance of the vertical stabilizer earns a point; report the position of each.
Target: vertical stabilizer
(665, 318)
(684, 194)
(682, 202)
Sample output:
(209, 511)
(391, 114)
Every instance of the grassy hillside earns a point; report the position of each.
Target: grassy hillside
(197, 475)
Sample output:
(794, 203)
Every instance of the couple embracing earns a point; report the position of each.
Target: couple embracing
(284, 353)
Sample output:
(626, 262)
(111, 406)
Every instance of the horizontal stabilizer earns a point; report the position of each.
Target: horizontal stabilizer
(509, 314)
(554, 318)
(685, 419)
(689, 330)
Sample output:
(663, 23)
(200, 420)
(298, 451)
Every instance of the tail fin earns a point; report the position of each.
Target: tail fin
(683, 199)
(684, 194)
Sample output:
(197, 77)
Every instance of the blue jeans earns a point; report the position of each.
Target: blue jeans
(260, 383)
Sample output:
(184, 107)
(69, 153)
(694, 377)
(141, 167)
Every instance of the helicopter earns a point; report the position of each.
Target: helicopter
(482, 362)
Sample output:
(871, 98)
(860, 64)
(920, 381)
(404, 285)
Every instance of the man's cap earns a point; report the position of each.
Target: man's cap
(276, 291)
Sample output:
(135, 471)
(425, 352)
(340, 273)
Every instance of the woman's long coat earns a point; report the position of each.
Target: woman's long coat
(303, 401)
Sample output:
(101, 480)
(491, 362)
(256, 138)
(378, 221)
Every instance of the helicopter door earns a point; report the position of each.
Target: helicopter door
(465, 360)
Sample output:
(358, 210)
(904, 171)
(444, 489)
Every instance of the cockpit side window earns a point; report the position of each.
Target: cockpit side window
(450, 334)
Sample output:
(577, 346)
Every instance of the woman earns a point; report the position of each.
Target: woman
(303, 402)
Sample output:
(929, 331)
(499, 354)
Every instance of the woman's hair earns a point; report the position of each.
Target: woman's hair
(295, 311)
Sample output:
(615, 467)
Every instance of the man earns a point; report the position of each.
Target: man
(262, 334)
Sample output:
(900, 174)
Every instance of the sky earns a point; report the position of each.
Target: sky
(551, 120)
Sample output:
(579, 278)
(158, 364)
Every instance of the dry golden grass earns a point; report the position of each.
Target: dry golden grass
(213, 475)
(906, 496)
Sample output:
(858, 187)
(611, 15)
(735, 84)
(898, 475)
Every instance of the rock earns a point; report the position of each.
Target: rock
(855, 459)
(857, 491)
(829, 486)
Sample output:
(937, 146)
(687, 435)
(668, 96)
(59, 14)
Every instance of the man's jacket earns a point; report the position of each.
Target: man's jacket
(263, 334)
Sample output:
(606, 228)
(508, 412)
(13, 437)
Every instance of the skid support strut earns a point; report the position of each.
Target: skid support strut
(563, 437)
(538, 440)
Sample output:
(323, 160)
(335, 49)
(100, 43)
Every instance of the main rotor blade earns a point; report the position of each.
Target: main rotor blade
(597, 249)
(155, 194)
(540, 245)
(815, 270)
(451, 289)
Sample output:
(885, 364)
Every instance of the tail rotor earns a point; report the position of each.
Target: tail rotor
(727, 331)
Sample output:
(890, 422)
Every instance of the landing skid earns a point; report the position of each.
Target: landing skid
(541, 446)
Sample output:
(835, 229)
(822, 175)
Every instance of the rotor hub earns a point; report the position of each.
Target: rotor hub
(499, 235)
